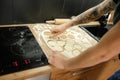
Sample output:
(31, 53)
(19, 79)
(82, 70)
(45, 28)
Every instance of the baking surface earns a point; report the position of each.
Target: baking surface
(70, 43)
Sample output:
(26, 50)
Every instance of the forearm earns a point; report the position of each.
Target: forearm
(93, 13)
(88, 58)
(108, 47)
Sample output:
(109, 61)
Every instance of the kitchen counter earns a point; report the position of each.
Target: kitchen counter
(22, 75)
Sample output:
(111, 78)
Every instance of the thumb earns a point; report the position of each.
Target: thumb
(51, 59)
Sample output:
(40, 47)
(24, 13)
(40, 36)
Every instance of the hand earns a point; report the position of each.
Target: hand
(59, 29)
(57, 60)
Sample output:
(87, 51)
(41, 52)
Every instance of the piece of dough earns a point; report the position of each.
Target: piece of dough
(56, 48)
(77, 46)
(61, 43)
(51, 43)
(76, 52)
(68, 47)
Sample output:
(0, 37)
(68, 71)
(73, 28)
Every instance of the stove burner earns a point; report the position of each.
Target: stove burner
(19, 50)
(12, 35)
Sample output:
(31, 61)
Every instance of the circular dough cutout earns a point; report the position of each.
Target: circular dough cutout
(68, 47)
(61, 43)
(75, 52)
(51, 43)
(76, 46)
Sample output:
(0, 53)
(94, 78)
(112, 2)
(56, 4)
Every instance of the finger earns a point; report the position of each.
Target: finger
(55, 32)
(51, 59)
(55, 52)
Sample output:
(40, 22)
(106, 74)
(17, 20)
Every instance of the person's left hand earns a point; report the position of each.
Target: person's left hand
(57, 60)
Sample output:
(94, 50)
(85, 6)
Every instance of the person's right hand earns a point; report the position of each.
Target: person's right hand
(58, 29)
(57, 60)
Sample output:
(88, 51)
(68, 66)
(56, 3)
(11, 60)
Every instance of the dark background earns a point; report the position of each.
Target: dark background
(38, 11)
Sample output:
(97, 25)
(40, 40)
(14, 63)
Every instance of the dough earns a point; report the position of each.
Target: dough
(61, 43)
(68, 47)
(76, 52)
(68, 43)
(51, 43)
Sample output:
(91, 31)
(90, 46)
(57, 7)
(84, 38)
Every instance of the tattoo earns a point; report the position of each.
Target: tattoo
(109, 7)
(95, 12)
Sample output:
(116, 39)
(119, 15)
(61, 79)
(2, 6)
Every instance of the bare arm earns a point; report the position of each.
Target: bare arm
(87, 16)
(108, 47)
(93, 13)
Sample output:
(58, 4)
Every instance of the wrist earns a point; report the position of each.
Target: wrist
(69, 24)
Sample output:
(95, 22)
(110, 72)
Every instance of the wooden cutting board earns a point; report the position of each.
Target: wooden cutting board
(70, 43)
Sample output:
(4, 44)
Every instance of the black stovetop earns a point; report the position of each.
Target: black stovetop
(19, 50)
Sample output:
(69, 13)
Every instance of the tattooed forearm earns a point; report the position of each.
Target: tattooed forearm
(87, 16)
(95, 12)
(107, 6)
